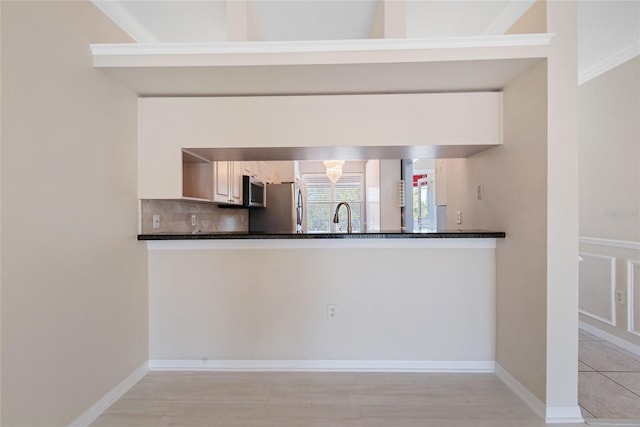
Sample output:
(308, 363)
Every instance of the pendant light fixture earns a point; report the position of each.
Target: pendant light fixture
(334, 169)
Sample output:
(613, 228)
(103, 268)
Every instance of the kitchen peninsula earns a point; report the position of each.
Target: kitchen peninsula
(323, 301)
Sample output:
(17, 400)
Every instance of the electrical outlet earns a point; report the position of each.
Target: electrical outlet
(480, 192)
(332, 311)
(156, 221)
(194, 220)
(458, 217)
(621, 296)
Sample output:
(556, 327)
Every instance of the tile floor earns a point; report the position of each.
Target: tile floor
(609, 381)
(319, 400)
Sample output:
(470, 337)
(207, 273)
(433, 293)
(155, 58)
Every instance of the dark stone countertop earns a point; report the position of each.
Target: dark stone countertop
(444, 234)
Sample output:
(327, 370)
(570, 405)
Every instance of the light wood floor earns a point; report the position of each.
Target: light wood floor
(320, 400)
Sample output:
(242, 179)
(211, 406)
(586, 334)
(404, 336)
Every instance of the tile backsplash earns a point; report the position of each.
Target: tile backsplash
(175, 217)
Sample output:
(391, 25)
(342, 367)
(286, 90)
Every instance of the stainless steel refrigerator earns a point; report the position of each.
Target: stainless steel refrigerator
(283, 212)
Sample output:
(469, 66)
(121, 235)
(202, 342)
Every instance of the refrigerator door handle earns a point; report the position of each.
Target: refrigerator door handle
(300, 209)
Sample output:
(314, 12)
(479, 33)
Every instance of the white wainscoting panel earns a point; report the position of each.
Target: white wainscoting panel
(597, 287)
(633, 297)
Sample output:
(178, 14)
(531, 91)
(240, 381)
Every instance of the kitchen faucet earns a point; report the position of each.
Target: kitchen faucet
(337, 220)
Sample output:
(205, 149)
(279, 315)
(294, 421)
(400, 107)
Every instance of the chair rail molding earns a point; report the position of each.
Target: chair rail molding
(624, 244)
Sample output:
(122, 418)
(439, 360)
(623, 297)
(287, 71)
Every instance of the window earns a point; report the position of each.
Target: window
(322, 197)
(424, 203)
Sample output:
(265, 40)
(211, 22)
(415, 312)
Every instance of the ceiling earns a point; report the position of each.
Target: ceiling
(203, 21)
(608, 30)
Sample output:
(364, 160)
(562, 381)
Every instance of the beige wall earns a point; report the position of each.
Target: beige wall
(514, 180)
(609, 134)
(521, 206)
(74, 282)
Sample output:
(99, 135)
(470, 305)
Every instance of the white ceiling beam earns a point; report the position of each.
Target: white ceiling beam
(395, 19)
(508, 16)
(377, 25)
(390, 20)
(236, 22)
(242, 22)
(254, 29)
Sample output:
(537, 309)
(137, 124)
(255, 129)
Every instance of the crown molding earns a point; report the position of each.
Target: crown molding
(121, 16)
(515, 40)
(610, 62)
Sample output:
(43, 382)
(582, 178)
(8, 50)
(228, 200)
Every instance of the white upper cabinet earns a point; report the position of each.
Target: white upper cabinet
(227, 182)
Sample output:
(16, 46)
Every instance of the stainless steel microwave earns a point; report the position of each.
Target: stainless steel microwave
(253, 192)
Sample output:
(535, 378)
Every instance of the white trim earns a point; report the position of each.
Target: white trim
(309, 46)
(119, 14)
(319, 243)
(612, 289)
(616, 422)
(563, 414)
(523, 393)
(108, 399)
(322, 365)
(613, 339)
(508, 16)
(551, 414)
(610, 62)
(630, 297)
(624, 244)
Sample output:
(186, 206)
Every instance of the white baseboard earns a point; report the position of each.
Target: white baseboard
(613, 339)
(116, 393)
(551, 414)
(614, 422)
(516, 386)
(563, 415)
(322, 365)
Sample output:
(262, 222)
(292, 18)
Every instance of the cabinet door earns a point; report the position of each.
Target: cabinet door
(221, 183)
(236, 172)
